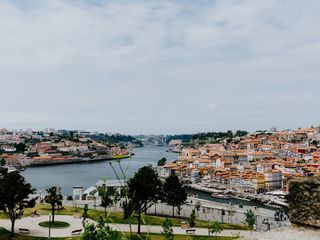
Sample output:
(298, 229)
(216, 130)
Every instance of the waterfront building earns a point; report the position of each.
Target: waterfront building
(77, 193)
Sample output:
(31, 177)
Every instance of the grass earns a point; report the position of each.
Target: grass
(117, 217)
(57, 224)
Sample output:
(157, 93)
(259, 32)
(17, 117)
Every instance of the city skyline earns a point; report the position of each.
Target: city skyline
(159, 67)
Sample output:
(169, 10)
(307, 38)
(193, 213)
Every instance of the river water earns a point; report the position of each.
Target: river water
(87, 174)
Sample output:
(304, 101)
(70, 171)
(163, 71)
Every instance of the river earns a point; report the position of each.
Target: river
(87, 174)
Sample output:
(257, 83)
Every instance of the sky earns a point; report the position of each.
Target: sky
(167, 67)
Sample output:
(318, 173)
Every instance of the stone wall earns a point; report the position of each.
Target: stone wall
(304, 202)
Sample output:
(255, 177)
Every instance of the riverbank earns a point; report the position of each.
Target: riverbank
(86, 174)
(261, 200)
(76, 160)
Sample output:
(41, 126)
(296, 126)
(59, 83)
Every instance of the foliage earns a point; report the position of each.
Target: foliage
(85, 214)
(143, 190)
(33, 154)
(2, 162)
(20, 147)
(174, 193)
(216, 228)
(167, 232)
(162, 161)
(192, 218)
(198, 205)
(101, 231)
(304, 201)
(250, 218)
(69, 198)
(212, 135)
(240, 133)
(127, 209)
(54, 197)
(106, 200)
(14, 195)
(56, 224)
(115, 139)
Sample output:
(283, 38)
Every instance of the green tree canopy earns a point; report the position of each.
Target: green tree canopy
(101, 231)
(174, 193)
(20, 147)
(162, 161)
(14, 195)
(106, 201)
(216, 228)
(192, 218)
(2, 162)
(54, 198)
(143, 190)
(167, 232)
(250, 218)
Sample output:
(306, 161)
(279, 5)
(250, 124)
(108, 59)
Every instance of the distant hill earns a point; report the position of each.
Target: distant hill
(119, 139)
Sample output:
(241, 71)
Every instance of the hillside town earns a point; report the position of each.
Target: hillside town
(21, 148)
(256, 163)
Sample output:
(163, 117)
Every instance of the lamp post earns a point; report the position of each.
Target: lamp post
(40, 196)
(49, 226)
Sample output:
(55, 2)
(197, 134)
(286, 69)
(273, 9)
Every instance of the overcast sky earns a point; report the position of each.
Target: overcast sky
(159, 66)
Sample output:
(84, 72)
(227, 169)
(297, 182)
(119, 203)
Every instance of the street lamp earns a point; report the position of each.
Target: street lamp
(49, 226)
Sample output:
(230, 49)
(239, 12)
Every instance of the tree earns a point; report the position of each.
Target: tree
(174, 193)
(231, 213)
(229, 134)
(167, 232)
(106, 200)
(100, 231)
(20, 147)
(142, 191)
(192, 218)
(54, 197)
(85, 214)
(198, 206)
(162, 161)
(216, 228)
(2, 162)
(14, 195)
(223, 212)
(250, 218)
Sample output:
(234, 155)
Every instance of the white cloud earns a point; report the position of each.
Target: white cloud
(22, 118)
(160, 62)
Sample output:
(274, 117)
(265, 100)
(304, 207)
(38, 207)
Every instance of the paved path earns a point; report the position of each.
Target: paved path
(32, 223)
(284, 233)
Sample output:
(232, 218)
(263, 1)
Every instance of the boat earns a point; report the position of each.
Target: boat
(220, 196)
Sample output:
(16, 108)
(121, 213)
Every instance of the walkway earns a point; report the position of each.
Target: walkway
(284, 233)
(32, 223)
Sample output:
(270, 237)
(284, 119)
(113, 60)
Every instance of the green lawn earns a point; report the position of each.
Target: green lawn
(117, 217)
(57, 224)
